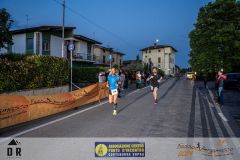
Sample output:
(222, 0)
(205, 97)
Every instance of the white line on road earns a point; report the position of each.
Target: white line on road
(54, 121)
(223, 117)
(60, 119)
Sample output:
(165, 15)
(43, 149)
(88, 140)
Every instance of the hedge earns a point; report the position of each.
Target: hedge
(86, 74)
(18, 72)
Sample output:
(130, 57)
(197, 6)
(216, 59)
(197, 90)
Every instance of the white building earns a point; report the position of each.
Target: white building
(160, 56)
(41, 40)
(47, 40)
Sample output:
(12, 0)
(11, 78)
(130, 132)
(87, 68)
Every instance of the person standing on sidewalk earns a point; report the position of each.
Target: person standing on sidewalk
(113, 81)
(220, 83)
(155, 80)
(138, 80)
(122, 79)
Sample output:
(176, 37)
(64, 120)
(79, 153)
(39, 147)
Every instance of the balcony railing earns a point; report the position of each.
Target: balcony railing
(87, 57)
(84, 57)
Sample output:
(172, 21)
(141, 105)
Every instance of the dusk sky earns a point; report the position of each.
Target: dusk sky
(125, 25)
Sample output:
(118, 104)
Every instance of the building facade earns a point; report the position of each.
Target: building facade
(160, 56)
(47, 40)
(102, 56)
(84, 48)
(42, 40)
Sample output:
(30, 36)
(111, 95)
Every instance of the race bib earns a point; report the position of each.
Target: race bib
(114, 91)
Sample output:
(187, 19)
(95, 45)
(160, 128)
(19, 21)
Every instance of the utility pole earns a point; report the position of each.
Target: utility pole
(63, 22)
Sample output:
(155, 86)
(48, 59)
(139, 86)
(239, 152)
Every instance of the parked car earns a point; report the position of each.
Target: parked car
(233, 81)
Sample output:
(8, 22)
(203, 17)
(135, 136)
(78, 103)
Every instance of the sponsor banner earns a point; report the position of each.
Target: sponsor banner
(18, 109)
(119, 148)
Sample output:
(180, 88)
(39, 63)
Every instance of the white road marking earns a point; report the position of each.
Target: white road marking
(54, 121)
(219, 113)
(60, 119)
(223, 117)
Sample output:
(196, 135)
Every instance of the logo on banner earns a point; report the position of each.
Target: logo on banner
(220, 149)
(14, 149)
(119, 149)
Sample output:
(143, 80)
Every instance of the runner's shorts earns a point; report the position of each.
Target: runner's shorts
(110, 93)
(153, 87)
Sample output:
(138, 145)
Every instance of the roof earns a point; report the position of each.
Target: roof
(158, 47)
(122, 54)
(41, 28)
(110, 49)
(81, 37)
(102, 47)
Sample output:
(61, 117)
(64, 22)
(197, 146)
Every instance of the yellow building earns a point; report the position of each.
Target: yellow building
(160, 56)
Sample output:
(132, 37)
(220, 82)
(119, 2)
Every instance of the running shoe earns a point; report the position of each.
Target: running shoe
(155, 102)
(114, 112)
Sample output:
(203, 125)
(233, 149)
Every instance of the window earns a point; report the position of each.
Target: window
(104, 59)
(159, 50)
(46, 46)
(145, 51)
(149, 51)
(120, 61)
(149, 59)
(89, 48)
(29, 44)
(159, 59)
(113, 59)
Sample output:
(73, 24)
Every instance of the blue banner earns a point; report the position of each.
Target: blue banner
(119, 149)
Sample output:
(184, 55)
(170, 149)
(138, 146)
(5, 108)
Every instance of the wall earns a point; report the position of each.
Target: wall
(82, 49)
(3, 50)
(19, 45)
(98, 52)
(56, 46)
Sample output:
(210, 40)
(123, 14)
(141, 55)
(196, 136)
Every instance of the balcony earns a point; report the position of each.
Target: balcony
(88, 57)
(84, 57)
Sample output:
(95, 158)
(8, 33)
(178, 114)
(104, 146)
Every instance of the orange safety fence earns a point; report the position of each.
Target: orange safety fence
(19, 109)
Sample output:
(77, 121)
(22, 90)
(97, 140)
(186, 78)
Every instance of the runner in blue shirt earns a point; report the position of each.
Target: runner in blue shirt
(113, 81)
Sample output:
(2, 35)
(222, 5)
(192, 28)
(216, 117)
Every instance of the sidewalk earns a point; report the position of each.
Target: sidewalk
(231, 106)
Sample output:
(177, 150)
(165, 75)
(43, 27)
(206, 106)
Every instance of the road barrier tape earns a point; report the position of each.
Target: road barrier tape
(19, 109)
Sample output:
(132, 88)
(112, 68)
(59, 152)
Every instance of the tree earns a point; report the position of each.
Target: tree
(215, 41)
(135, 67)
(5, 25)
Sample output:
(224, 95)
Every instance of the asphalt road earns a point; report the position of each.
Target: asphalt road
(184, 109)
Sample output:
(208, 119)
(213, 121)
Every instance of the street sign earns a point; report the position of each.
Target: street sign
(71, 47)
(109, 57)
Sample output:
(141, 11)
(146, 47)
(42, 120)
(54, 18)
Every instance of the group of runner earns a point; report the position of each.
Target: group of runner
(113, 83)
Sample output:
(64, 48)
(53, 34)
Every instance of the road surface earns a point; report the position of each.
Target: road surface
(184, 109)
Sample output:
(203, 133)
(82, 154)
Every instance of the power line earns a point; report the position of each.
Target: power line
(96, 25)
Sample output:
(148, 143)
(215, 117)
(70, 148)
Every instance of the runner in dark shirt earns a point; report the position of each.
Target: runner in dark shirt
(154, 79)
